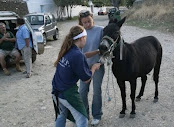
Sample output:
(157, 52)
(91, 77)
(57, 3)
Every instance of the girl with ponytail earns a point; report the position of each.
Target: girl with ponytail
(71, 65)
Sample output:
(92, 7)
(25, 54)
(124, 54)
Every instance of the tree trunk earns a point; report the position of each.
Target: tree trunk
(71, 6)
(60, 13)
(67, 8)
(116, 3)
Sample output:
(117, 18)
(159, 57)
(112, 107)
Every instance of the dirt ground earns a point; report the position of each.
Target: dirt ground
(27, 102)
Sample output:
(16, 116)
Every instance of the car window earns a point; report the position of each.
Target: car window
(36, 19)
(47, 20)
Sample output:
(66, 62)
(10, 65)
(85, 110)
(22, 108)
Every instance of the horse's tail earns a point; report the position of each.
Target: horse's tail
(158, 63)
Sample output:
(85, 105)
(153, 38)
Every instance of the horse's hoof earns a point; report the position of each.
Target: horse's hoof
(137, 99)
(155, 100)
(132, 115)
(121, 115)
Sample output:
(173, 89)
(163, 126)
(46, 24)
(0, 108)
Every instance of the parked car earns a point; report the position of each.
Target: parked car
(102, 12)
(114, 13)
(9, 18)
(44, 22)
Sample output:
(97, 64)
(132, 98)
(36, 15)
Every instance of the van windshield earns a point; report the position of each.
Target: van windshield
(36, 19)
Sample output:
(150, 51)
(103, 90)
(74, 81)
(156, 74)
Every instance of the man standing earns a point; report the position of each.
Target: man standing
(25, 45)
(7, 47)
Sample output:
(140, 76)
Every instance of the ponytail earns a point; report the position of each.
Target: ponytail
(68, 42)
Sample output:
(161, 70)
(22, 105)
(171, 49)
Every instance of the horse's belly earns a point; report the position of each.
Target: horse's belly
(126, 74)
(122, 74)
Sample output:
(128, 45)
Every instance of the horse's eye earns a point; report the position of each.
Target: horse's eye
(117, 32)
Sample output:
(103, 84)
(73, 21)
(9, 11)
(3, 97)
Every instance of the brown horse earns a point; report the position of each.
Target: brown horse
(131, 60)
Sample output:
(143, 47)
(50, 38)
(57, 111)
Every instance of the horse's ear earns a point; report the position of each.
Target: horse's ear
(120, 23)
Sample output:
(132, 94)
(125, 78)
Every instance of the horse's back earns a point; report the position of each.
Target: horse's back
(148, 41)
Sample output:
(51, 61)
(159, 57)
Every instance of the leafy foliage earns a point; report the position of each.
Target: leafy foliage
(129, 3)
(68, 4)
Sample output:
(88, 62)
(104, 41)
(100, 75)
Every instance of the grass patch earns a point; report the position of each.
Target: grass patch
(162, 26)
(153, 15)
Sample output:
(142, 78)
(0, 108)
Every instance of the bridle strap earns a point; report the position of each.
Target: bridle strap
(114, 45)
(110, 39)
(121, 48)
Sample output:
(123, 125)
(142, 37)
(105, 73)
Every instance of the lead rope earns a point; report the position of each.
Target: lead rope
(109, 63)
(107, 85)
(114, 92)
(107, 93)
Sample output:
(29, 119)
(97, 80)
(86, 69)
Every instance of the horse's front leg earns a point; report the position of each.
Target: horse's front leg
(133, 84)
(121, 85)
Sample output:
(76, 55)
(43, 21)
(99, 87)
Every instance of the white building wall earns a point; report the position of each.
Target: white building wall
(41, 6)
(49, 6)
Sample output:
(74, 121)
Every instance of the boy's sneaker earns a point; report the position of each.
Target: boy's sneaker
(95, 122)
(28, 75)
(6, 72)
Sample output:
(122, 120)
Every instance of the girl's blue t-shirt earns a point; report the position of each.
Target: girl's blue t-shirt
(71, 67)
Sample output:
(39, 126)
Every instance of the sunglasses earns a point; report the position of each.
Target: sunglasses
(84, 13)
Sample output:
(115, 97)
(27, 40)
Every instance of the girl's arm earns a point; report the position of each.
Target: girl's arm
(92, 53)
(93, 69)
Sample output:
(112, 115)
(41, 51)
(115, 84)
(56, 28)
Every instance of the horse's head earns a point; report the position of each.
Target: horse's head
(111, 35)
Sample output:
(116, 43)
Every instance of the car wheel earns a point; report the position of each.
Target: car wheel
(44, 39)
(56, 36)
(33, 56)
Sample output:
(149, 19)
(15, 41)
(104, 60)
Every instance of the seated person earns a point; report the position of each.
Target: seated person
(34, 21)
(7, 47)
(12, 27)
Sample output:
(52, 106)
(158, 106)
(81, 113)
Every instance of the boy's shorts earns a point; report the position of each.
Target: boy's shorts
(10, 53)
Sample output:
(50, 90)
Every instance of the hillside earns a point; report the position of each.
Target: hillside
(153, 14)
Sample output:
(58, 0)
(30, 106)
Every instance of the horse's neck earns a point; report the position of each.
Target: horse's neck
(121, 50)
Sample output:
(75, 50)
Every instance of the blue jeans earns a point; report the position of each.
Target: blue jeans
(80, 119)
(97, 93)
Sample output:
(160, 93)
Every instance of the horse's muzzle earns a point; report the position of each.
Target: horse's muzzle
(103, 49)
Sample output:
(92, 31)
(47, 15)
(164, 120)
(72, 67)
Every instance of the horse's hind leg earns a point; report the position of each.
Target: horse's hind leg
(122, 87)
(143, 80)
(156, 79)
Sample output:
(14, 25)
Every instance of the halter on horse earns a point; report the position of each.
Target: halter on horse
(112, 45)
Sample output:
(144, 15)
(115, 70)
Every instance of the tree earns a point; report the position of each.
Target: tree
(129, 3)
(102, 2)
(116, 3)
(68, 4)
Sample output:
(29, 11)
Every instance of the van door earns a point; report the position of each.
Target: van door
(54, 24)
(48, 25)
(37, 38)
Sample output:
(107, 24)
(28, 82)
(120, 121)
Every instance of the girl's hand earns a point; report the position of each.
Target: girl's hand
(96, 66)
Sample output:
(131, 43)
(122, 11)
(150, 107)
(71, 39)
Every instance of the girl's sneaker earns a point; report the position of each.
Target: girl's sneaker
(95, 122)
